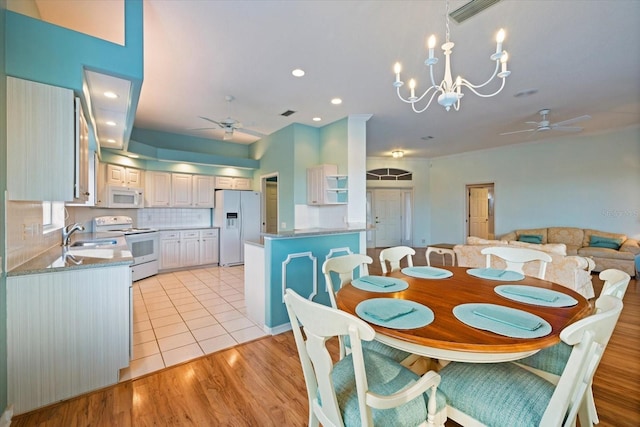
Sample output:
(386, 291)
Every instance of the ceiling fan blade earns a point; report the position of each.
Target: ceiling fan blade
(518, 131)
(202, 128)
(566, 128)
(212, 121)
(570, 121)
(251, 132)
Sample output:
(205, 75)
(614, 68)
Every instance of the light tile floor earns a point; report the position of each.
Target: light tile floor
(182, 315)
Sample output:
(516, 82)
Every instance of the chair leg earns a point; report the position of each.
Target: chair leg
(591, 408)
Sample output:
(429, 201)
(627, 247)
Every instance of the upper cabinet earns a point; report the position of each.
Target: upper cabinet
(82, 191)
(204, 194)
(124, 176)
(157, 191)
(229, 183)
(179, 190)
(325, 186)
(40, 141)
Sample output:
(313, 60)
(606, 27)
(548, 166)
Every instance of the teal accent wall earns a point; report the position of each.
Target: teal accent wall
(46, 53)
(171, 141)
(3, 187)
(299, 270)
(333, 145)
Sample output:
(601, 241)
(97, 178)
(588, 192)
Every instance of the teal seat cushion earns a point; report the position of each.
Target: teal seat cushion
(378, 347)
(604, 242)
(530, 238)
(551, 359)
(384, 376)
(496, 394)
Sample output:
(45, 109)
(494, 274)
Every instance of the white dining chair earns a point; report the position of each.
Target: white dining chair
(394, 255)
(549, 362)
(345, 266)
(365, 388)
(505, 394)
(516, 258)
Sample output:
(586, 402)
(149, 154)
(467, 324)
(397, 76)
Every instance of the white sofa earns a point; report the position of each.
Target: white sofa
(574, 272)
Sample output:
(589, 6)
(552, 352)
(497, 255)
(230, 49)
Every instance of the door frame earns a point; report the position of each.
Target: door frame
(490, 186)
(263, 200)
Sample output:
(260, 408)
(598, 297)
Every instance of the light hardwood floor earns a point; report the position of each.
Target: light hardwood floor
(260, 383)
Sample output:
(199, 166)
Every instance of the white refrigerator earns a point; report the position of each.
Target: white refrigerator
(237, 213)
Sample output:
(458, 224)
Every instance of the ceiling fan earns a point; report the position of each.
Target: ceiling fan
(230, 124)
(545, 125)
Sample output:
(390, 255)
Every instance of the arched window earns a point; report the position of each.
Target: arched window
(389, 174)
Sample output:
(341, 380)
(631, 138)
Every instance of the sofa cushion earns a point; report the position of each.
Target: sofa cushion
(591, 251)
(570, 236)
(604, 242)
(588, 233)
(530, 238)
(533, 231)
(552, 248)
(473, 240)
(572, 249)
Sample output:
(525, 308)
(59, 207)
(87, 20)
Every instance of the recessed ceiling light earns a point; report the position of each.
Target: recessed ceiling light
(317, 119)
(110, 123)
(111, 95)
(336, 101)
(397, 154)
(298, 72)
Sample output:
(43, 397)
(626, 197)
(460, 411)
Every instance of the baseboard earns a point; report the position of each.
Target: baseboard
(278, 329)
(5, 419)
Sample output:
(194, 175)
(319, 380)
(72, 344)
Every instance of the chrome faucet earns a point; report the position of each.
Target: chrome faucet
(68, 231)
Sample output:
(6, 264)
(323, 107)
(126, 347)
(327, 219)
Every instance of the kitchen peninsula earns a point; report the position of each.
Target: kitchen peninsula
(292, 259)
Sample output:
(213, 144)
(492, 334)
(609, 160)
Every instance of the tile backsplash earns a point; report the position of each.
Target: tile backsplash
(173, 218)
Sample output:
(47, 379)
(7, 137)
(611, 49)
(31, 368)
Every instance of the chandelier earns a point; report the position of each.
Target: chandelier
(450, 91)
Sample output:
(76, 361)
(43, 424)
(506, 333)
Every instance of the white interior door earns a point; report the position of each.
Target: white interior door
(479, 212)
(388, 217)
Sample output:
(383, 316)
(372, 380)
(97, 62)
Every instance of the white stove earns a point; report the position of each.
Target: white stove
(142, 242)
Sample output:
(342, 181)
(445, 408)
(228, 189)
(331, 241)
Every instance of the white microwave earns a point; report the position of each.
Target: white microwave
(124, 197)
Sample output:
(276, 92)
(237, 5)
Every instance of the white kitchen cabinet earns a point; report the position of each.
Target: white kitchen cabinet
(169, 250)
(209, 247)
(203, 191)
(189, 248)
(40, 141)
(230, 183)
(68, 333)
(157, 189)
(181, 190)
(325, 186)
(82, 189)
(124, 176)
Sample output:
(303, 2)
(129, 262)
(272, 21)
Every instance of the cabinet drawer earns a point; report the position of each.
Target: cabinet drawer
(169, 235)
(189, 234)
(209, 233)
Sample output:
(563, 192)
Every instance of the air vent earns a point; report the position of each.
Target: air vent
(471, 9)
(287, 113)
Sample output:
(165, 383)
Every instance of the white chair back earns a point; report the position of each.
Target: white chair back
(516, 258)
(394, 255)
(344, 266)
(615, 282)
(589, 338)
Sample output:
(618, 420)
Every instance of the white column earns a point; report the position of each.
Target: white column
(357, 167)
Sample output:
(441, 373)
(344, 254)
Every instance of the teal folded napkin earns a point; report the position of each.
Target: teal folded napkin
(389, 312)
(492, 272)
(507, 318)
(541, 294)
(377, 281)
(427, 271)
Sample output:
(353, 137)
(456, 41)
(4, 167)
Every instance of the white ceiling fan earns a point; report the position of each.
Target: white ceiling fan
(229, 124)
(545, 125)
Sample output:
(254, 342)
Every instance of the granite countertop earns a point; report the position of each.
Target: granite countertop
(79, 257)
(306, 232)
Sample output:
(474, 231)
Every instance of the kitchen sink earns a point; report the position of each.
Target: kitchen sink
(91, 253)
(91, 243)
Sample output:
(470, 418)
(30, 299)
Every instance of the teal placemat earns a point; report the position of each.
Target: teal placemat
(427, 272)
(380, 284)
(495, 274)
(401, 314)
(502, 320)
(536, 296)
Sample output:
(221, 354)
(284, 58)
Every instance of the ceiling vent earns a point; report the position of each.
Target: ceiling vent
(471, 9)
(287, 113)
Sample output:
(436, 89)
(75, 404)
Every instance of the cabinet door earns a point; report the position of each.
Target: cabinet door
(82, 157)
(169, 253)
(116, 175)
(158, 189)
(224, 183)
(181, 190)
(189, 248)
(209, 247)
(203, 191)
(40, 141)
(315, 186)
(133, 177)
(241, 183)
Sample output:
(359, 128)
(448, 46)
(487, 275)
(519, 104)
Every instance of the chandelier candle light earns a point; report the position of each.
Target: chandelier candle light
(450, 91)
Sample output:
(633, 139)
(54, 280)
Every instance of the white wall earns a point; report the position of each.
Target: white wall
(582, 181)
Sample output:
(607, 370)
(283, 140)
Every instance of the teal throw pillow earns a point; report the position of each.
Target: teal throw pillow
(604, 242)
(530, 238)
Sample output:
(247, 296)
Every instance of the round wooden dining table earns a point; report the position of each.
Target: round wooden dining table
(446, 337)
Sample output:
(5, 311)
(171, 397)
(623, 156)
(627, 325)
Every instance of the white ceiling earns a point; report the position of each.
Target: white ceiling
(581, 56)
